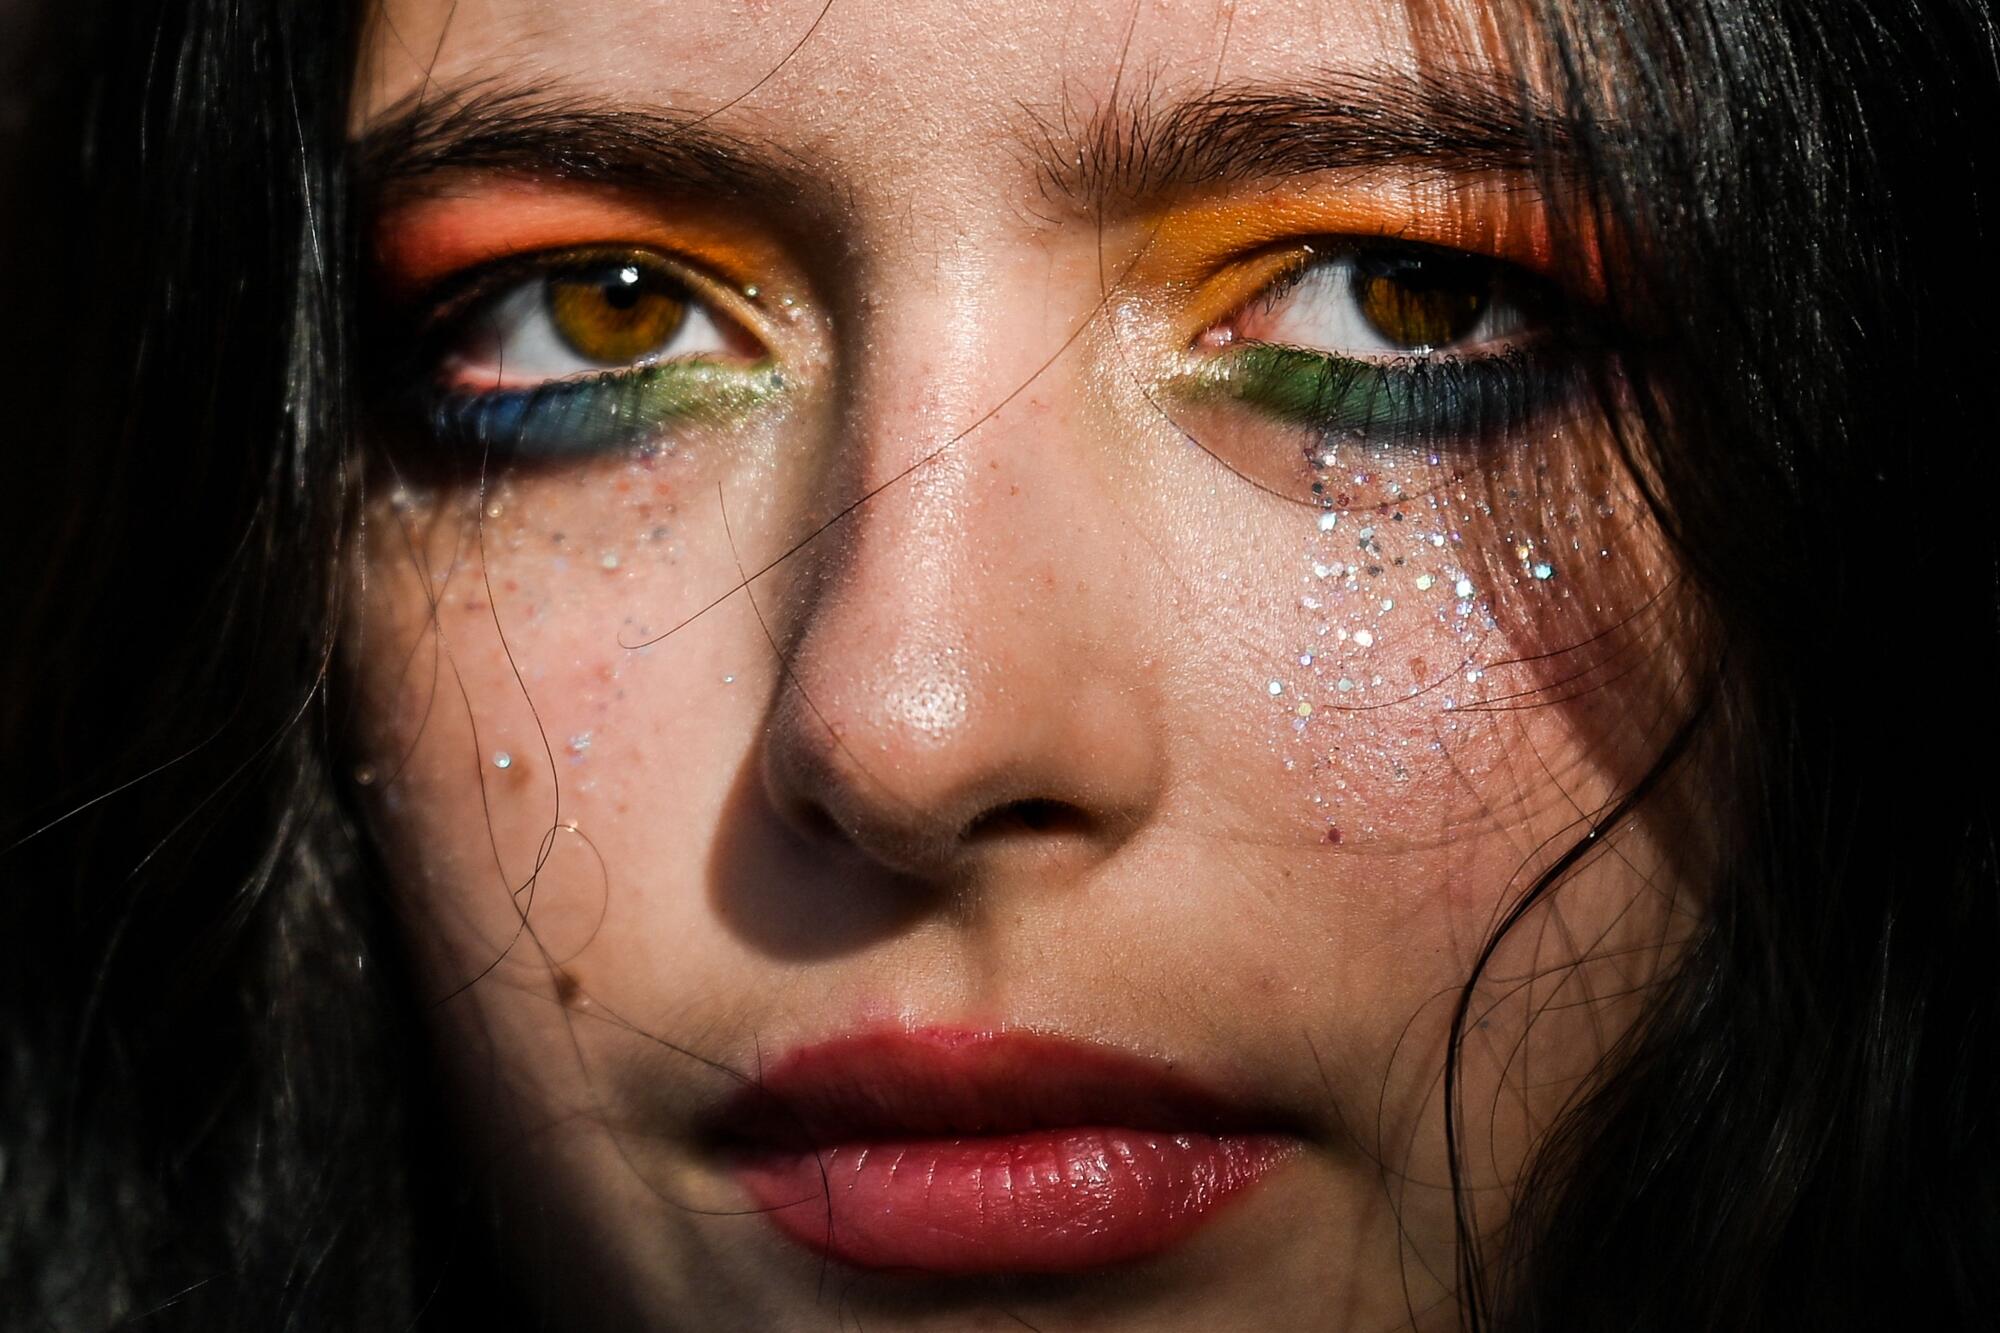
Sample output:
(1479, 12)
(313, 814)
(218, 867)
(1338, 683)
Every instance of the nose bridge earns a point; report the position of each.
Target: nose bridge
(942, 666)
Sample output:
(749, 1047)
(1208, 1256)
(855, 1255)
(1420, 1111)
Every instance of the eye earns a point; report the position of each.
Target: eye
(587, 314)
(1364, 363)
(1373, 302)
(571, 355)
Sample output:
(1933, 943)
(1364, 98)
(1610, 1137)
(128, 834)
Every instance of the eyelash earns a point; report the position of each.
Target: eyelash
(622, 404)
(1426, 398)
(1423, 397)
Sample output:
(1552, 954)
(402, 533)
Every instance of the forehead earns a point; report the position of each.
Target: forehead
(870, 83)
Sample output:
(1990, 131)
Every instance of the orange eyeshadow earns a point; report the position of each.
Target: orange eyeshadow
(447, 230)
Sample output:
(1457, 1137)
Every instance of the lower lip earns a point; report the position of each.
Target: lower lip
(1045, 1201)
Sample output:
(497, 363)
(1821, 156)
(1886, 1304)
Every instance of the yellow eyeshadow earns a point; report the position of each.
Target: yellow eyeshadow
(1216, 254)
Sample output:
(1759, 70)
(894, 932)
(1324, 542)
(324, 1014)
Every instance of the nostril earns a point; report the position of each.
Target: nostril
(1036, 815)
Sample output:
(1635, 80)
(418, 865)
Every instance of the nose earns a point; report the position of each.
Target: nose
(964, 703)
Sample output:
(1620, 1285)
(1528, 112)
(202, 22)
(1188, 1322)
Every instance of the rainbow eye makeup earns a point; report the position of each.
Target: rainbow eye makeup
(574, 353)
(1386, 343)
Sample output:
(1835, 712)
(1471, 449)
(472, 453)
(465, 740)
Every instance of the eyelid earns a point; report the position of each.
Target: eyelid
(463, 224)
(459, 297)
(1217, 254)
(460, 225)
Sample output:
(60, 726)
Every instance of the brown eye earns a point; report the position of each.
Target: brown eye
(615, 313)
(1421, 303)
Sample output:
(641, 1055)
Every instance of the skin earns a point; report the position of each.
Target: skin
(797, 814)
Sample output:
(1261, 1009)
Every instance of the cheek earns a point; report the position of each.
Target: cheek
(1413, 708)
(534, 755)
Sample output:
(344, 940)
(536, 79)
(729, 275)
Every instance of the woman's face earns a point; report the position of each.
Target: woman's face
(950, 773)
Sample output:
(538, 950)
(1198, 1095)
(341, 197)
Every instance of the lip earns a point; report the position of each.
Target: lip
(955, 1152)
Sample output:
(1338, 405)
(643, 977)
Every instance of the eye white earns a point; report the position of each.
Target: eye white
(517, 343)
(1320, 311)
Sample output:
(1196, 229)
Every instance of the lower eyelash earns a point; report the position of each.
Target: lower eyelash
(1417, 401)
(580, 418)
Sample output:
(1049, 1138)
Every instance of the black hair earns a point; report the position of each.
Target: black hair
(215, 1112)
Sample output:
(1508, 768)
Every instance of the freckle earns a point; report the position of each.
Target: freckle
(662, 488)
(511, 585)
(623, 486)
(1333, 836)
(1013, 490)
(567, 987)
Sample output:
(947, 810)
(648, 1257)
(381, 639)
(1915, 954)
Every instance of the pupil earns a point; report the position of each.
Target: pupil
(622, 292)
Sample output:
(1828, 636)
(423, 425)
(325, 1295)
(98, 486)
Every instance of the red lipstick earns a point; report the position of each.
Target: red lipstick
(958, 1153)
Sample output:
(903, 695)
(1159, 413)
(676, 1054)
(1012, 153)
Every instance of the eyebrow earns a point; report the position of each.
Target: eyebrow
(1449, 124)
(1127, 152)
(542, 131)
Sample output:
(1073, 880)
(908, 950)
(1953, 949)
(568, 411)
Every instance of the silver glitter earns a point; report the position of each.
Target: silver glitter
(1364, 638)
(579, 742)
(1276, 687)
(1343, 685)
(729, 680)
(364, 775)
(1424, 582)
(608, 560)
(501, 759)
(1329, 521)
(1543, 570)
(1463, 588)
(1305, 659)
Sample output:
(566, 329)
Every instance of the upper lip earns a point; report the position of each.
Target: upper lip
(951, 1083)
